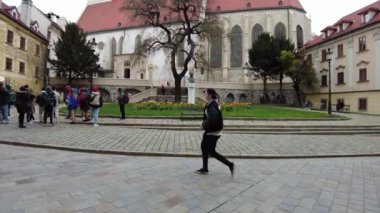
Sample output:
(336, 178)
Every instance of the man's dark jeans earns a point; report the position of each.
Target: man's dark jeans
(208, 146)
(122, 110)
(48, 112)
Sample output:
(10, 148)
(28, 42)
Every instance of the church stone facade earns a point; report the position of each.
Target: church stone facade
(118, 39)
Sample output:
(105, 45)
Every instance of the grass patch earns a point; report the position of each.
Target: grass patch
(229, 110)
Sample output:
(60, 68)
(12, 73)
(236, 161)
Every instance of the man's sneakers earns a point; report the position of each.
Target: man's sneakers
(202, 171)
(96, 125)
(232, 169)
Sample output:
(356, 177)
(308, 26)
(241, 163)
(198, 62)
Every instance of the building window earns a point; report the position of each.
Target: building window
(216, 50)
(300, 40)
(10, 36)
(22, 68)
(340, 78)
(127, 63)
(49, 35)
(362, 44)
(363, 75)
(257, 30)
(8, 64)
(36, 71)
(280, 31)
(236, 58)
(142, 76)
(323, 104)
(309, 59)
(340, 50)
(363, 104)
(22, 43)
(127, 73)
(324, 55)
(324, 81)
(37, 50)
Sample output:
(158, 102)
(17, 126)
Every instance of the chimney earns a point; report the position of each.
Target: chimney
(26, 11)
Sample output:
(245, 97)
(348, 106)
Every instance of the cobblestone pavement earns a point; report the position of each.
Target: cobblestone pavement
(39, 180)
(188, 142)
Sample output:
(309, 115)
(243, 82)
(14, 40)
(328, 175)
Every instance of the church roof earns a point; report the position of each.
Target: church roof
(107, 16)
(355, 23)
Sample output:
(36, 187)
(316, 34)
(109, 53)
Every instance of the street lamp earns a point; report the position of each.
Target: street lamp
(93, 46)
(329, 59)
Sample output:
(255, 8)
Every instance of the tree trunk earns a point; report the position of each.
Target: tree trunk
(281, 82)
(177, 89)
(265, 89)
(298, 94)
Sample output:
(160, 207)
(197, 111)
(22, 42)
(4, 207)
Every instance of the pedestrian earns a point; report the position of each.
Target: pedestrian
(96, 102)
(31, 108)
(40, 103)
(213, 126)
(4, 104)
(71, 103)
(49, 104)
(11, 98)
(56, 107)
(21, 103)
(84, 103)
(122, 99)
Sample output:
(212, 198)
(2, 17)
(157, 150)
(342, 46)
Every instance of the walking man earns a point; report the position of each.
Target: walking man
(49, 104)
(212, 125)
(22, 100)
(122, 99)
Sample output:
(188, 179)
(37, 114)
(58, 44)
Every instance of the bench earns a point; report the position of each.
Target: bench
(191, 115)
(346, 108)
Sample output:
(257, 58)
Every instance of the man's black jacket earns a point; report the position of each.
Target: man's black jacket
(212, 118)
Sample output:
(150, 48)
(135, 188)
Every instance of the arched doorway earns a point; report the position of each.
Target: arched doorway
(230, 98)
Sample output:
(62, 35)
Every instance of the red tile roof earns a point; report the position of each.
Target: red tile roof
(107, 16)
(355, 20)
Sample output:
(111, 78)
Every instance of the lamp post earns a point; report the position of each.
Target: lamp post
(329, 59)
(93, 46)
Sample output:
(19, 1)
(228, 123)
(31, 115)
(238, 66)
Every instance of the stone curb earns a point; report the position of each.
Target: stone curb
(185, 155)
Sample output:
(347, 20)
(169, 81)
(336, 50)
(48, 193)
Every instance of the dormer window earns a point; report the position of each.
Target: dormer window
(14, 13)
(249, 5)
(35, 26)
(368, 14)
(218, 8)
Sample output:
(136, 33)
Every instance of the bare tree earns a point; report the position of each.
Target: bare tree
(182, 25)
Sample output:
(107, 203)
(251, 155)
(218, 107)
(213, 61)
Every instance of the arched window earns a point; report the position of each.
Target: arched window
(243, 98)
(257, 30)
(300, 40)
(280, 31)
(121, 44)
(216, 49)
(236, 59)
(138, 44)
(230, 98)
(142, 76)
(113, 52)
(127, 73)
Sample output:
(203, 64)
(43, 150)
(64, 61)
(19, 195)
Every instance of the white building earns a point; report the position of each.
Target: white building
(118, 35)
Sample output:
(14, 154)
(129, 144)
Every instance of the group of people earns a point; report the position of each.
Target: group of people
(24, 100)
(88, 100)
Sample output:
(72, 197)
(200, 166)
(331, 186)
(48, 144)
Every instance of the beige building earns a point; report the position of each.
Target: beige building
(22, 50)
(355, 66)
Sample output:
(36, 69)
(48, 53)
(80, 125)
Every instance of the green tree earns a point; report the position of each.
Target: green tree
(280, 45)
(300, 70)
(262, 59)
(75, 57)
(180, 23)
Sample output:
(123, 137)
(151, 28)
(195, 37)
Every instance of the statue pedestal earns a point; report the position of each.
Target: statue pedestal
(191, 93)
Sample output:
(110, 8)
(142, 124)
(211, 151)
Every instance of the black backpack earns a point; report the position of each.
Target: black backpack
(49, 100)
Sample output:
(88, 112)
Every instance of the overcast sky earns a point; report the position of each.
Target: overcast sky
(322, 12)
